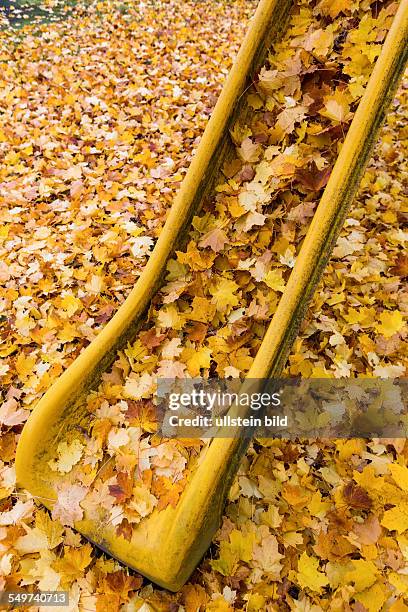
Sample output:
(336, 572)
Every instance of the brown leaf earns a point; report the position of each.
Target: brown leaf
(125, 530)
(312, 178)
(122, 584)
(194, 597)
(369, 531)
(215, 239)
(400, 267)
(122, 490)
(149, 338)
(197, 332)
(142, 414)
(356, 497)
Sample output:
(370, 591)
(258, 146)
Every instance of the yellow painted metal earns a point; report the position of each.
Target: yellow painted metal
(167, 546)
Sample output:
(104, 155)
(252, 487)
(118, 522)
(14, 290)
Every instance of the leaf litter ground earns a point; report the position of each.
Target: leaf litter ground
(276, 548)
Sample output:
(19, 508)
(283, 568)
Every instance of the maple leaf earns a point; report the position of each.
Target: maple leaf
(396, 518)
(308, 575)
(197, 332)
(67, 507)
(223, 295)
(75, 560)
(120, 583)
(194, 597)
(142, 414)
(202, 310)
(369, 531)
(10, 415)
(336, 107)
(40, 571)
(249, 151)
(269, 80)
(400, 475)
(122, 489)
(373, 598)
(267, 557)
(68, 456)
(287, 119)
(201, 358)
(319, 41)
(70, 304)
(356, 497)
(348, 245)
(52, 529)
(172, 348)
(216, 239)
(250, 220)
(333, 8)
(390, 323)
(142, 501)
(400, 267)
(302, 212)
(138, 386)
(141, 246)
(363, 575)
(20, 511)
(313, 178)
(169, 368)
(274, 280)
(295, 495)
(125, 530)
(150, 339)
(34, 541)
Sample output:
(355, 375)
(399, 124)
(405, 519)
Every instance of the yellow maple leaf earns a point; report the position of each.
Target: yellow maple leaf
(274, 280)
(203, 311)
(70, 304)
(68, 332)
(68, 456)
(400, 475)
(138, 387)
(52, 529)
(320, 41)
(194, 597)
(249, 151)
(308, 574)
(74, 562)
(256, 603)
(318, 507)
(223, 296)
(336, 107)
(333, 8)
(363, 575)
(399, 581)
(267, 556)
(169, 317)
(24, 365)
(390, 323)
(239, 547)
(41, 571)
(201, 358)
(396, 518)
(373, 598)
(398, 606)
(32, 542)
(219, 605)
